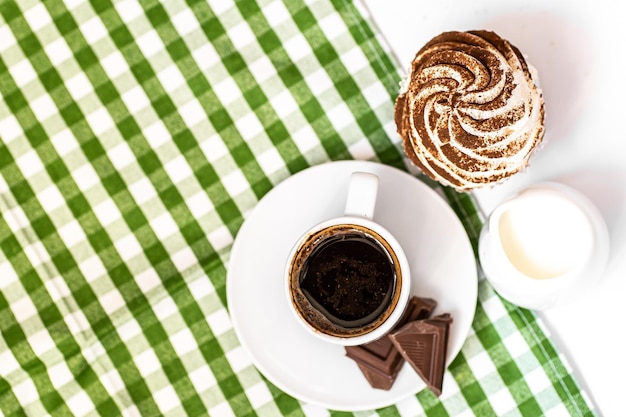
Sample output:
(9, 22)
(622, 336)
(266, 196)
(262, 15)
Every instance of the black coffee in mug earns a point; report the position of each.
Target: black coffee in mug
(344, 280)
(349, 278)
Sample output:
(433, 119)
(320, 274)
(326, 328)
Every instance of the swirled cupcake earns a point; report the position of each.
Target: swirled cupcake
(470, 113)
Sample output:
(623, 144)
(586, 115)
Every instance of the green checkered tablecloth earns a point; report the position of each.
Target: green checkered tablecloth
(135, 138)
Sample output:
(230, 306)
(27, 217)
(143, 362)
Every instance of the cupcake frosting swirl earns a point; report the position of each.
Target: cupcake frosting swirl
(470, 113)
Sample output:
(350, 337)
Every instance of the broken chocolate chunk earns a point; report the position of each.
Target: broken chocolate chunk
(379, 361)
(376, 378)
(423, 344)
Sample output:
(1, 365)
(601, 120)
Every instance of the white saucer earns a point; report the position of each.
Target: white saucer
(441, 261)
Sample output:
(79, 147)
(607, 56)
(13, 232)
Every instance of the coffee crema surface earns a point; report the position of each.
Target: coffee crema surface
(349, 278)
(344, 280)
(470, 113)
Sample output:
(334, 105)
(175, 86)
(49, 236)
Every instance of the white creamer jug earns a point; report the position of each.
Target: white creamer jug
(544, 246)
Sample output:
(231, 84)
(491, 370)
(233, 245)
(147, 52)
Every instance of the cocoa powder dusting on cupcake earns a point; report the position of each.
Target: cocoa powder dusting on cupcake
(471, 113)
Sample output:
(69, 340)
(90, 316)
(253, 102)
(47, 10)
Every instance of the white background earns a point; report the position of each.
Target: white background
(579, 51)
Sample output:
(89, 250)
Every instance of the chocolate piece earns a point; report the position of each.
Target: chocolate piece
(378, 379)
(379, 361)
(424, 344)
(418, 308)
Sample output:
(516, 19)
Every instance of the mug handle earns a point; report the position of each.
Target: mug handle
(362, 191)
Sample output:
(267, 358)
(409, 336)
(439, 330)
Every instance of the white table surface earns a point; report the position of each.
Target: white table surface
(579, 51)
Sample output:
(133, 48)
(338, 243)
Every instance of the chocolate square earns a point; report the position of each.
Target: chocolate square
(379, 360)
(423, 344)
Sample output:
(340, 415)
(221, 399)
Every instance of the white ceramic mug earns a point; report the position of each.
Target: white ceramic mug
(544, 246)
(319, 253)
